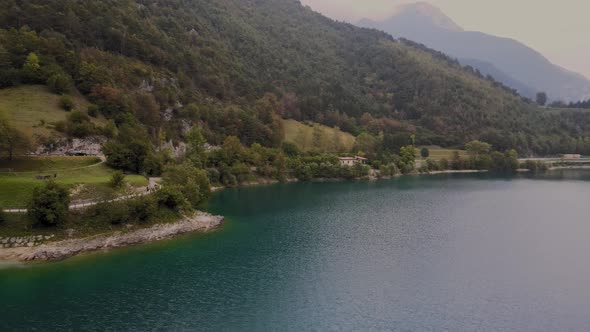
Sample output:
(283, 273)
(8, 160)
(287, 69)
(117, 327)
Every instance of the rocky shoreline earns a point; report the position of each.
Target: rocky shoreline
(60, 250)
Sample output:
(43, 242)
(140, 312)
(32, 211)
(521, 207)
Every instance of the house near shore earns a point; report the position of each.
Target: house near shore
(351, 161)
(571, 156)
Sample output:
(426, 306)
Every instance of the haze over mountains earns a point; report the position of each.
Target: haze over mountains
(507, 60)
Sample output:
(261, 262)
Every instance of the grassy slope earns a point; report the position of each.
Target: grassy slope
(302, 135)
(16, 188)
(28, 105)
(32, 164)
(438, 153)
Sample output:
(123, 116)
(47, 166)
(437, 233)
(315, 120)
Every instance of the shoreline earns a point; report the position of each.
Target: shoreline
(199, 222)
(60, 250)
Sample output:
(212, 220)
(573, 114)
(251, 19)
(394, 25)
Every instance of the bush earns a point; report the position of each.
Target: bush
(171, 198)
(117, 180)
(142, 209)
(425, 153)
(49, 205)
(432, 165)
(93, 110)
(59, 83)
(114, 213)
(66, 103)
(290, 149)
(2, 216)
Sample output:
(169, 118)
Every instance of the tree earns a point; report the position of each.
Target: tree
(147, 109)
(117, 179)
(5, 62)
(425, 153)
(49, 204)
(366, 143)
(59, 83)
(66, 103)
(477, 148)
(196, 151)
(190, 181)
(31, 71)
(541, 98)
(407, 161)
(290, 149)
(13, 142)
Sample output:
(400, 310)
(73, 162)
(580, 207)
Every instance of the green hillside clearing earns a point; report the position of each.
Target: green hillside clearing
(316, 137)
(16, 187)
(438, 153)
(33, 108)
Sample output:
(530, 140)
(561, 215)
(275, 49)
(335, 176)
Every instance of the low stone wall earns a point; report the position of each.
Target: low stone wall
(30, 250)
(26, 241)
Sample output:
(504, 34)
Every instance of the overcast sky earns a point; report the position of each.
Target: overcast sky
(560, 29)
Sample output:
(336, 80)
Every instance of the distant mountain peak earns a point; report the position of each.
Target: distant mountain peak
(427, 11)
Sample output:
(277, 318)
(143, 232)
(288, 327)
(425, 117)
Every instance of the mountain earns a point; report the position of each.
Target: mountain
(487, 68)
(426, 24)
(233, 66)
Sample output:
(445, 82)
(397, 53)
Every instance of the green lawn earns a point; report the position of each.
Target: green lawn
(331, 139)
(439, 153)
(16, 188)
(33, 108)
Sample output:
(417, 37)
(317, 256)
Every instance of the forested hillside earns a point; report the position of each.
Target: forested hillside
(237, 66)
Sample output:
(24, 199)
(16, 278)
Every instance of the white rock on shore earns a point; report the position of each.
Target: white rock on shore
(67, 248)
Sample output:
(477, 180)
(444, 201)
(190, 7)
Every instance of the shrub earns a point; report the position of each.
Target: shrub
(117, 180)
(49, 204)
(93, 110)
(432, 165)
(290, 149)
(2, 216)
(114, 213)
(143, 208)
(171, 197)
(59, 83)
(66, 103)
(425, 153)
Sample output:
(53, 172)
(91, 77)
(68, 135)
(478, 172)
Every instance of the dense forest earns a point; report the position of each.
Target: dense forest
(235, 67)
(582, 104)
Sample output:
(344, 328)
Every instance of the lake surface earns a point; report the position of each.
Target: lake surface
(449, 252)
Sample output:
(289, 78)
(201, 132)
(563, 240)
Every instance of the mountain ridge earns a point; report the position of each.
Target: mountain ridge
(512, 57)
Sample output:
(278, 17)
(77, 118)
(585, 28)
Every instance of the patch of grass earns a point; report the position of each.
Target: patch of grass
(16, 188)
(330, 139)
(439, 153)
(40, 164)
(33, 108)
(83, 222)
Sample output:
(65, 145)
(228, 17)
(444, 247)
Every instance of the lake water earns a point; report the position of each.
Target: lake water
(449, 252)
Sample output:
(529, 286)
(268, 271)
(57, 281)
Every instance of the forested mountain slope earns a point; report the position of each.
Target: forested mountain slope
(235, 66)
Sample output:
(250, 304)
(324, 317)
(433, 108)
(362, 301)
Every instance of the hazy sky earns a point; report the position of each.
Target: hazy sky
(559, 29)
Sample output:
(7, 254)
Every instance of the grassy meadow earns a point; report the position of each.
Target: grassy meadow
(437, 153)
(326, 139)
(16, 186)
(33, 108)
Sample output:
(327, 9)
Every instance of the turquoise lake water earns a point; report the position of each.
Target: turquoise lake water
(428, 253)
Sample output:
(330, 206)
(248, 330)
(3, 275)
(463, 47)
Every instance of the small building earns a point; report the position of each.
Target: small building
(351, 161)
(571, 156)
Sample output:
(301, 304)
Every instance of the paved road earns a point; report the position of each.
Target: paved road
(154, 185)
